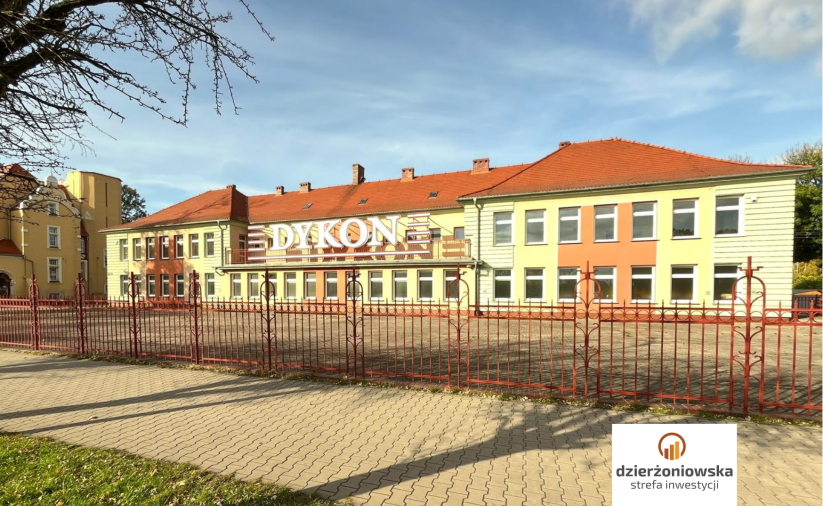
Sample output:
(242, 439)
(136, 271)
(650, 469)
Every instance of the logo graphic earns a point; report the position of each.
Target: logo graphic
(676, 449)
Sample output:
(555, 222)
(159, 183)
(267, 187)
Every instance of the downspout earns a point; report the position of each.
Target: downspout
(477, 263)
(222, 248)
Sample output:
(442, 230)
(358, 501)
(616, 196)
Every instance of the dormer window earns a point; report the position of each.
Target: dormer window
(307, 206)
(433, 195)
(362, 201)
(53, 209)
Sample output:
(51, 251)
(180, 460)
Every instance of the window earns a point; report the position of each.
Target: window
(606, 277)
(254, 286)
(53, 209)
(178, 246)
(434, 234)
(362, 201)
(194, 245)
(727, 216)
(401, 285)
(605, 223)
(105, 258)
(84, 269)
(376, 285)
(569, 226)
(138, 284)
(459, 233)
(150, 247)
(433, 195)
(124, 285)
(451, 285)
(124, 249)
(683, 280)
(291, 285)
(684, 219)
(425, 285)
(164, 285)
(179, 285)
(535, 227)
(210, 287)
(309, 285)
(502, 284)
(243, 241)
(724, 278)
(642, 284)
(164, 247)
(55, 270)
(643, 217)
(209, 237)
(534, 284)
(567, 284)
(331, 285)
(271, 286)
(137, 248)
(307, 206)
(151, 285)
(353, 288)
(83, 246)
(502, 229)
(236, 286)
(54, 238)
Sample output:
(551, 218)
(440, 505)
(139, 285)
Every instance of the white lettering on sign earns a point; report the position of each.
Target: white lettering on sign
(352, 233)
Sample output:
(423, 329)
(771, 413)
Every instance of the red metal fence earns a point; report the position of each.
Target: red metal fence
(740, 357)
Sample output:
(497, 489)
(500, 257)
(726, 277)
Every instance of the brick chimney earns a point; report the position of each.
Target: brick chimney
(230, 187)
(279, 190)
(305, 187)
(407, 174)
(480, 166)
(358, 174)
(564, 144)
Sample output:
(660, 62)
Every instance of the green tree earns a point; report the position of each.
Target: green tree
(133, 205)
(808, 211)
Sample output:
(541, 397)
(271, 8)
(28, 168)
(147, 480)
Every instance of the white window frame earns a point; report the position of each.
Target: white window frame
(165, 285)
(542, 220)
(693, 277)
(179, 281)
(542, 278)
(253, 279)
(84, 269)
(290, 279)
(497, 220)
(194, 240)
(327, 282)
(165, 242)
(211, 287)
(306, 281)
(137, 244)
(209, 239)
(643, 276)
(376, 276)
(576, 278)
(151, 285)
(652, 213)
(153, 241)
(509, 278)
(612, 277)
(446, 280)
(694, 211)
(273, 290)
(181, 242)
(59, 266)
(561, 218)
(53, 209)
(57, 236)
(428, 278)
(612, 216)
(394, 279)
(736, 275)
(236, 286)
(124, 285)
(740, 214)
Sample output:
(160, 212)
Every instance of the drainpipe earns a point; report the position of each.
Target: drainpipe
(477, 264)
(222, 248)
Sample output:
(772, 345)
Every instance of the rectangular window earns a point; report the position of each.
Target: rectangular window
(606, 277)
(503, 284)
(605, 223)
(643, 220)
(211, 290)
(425, 285)
(105, 258)
(53, 209)
(209, 237)
(435, 234)
(242, 241)
(534, 285)
(567, 284)
(84, 269)
(728, 216)
(55, 270)
(138, 284)
(151, 285)
(331, 285)
(83, 247)
(291, 285)
(150, 248)
(642, 284)
(179, 285)
(137, 248)
(503, 229)
(165, 289)
(683, 281)
(459, 233)
(164, 247)
(310, 285)
(236, 286)
(536, 227)
(376, 285)
(124, 285)
(353, 289)
(451, 287)
(401, 285)
(178, 246)
(271, 286)
(194, 245)
(124, 249)
(724, 278)
(254, 286)
(569, 226)
(54, 238)
(684, 219)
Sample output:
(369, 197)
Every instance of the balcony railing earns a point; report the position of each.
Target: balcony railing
(453, 249)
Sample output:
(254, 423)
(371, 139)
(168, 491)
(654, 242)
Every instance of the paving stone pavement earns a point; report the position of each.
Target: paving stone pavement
(377, 446)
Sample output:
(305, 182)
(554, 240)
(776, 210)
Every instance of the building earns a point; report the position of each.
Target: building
(654, 224)
(52, 231)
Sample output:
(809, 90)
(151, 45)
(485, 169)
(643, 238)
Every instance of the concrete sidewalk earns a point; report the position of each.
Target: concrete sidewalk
(377, 446)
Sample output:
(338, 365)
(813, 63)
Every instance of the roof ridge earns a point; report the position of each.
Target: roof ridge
(527, 167)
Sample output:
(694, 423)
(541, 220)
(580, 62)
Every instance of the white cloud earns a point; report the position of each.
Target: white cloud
(774, 29)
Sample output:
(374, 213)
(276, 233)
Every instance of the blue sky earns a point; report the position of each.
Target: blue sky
(433, 85)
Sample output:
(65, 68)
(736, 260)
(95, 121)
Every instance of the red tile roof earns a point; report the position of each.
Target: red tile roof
(619, 162)
(7, 247)
(16, 170)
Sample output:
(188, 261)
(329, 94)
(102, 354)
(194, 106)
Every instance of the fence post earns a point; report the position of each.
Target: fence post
(134, 327)
(268, 318)
(194, 295)
(34, 294)
(749, 358)
(79, 301)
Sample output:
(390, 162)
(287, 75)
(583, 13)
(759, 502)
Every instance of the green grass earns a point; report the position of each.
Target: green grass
(46, 472)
